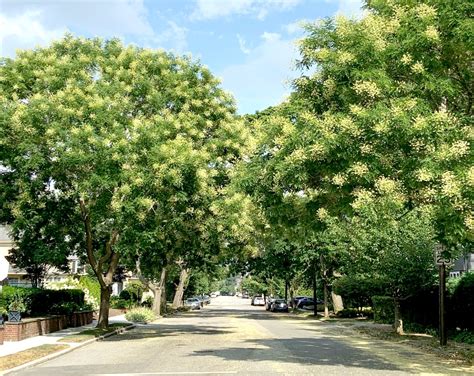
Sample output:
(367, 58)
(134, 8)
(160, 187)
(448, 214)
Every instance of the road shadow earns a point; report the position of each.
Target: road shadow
(166, 330)
(305, 351)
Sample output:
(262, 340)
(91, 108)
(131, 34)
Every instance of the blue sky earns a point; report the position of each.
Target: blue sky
(249, 44)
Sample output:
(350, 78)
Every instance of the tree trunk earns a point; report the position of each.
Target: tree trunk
(337, 303)
(398, 325)
(162, 296)
(286, 290)
(325, 290)
(178, 296)
(105, 293)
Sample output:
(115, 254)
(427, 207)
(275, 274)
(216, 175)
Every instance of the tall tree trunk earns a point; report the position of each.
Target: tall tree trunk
(104, 267)
(178, 295)
(286, 289)
(105, 293)
(326, 308)
(337, 303)
(398, 325)
(162, 296)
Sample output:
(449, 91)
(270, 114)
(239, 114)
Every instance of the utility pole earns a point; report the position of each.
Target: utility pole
(315, 309)
(441, 261)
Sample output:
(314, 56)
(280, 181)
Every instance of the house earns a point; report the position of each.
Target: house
(19, 277)
(462, 265)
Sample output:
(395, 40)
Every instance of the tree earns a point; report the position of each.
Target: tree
(117, 132)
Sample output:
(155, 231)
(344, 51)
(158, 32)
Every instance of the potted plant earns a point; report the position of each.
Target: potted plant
(15, 308)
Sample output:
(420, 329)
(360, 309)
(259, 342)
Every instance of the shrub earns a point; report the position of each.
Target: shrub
(125, 295)
(383, 308)
(348, 313)
(134, 291)
(140, 314)
(357, 291)
(117, 303)
(464, 336)
(148, 302)
(42, 301)
(462, 302)
(88, 285)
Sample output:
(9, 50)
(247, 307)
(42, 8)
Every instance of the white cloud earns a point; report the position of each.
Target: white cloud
(24, 31)
(173, 37)
(349, 8)
(295, 27)
(209, 9)
(262, 80)
(242, 45)
(24, 24)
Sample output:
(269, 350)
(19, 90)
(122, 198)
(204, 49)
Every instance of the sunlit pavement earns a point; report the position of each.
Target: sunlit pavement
(231, 337)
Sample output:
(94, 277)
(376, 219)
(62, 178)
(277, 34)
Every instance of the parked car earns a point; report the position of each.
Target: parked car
(307, 304)
(279, 305)
(205, 299)
(295, 300)
(258, 300)
(193, 303)
(269, 302)
(245, 295)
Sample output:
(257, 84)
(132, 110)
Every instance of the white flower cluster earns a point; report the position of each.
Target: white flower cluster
(367, 88)
(450, 186)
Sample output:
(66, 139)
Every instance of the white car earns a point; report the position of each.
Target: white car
(258, 300)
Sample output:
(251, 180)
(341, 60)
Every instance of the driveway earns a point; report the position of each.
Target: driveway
(230, 337)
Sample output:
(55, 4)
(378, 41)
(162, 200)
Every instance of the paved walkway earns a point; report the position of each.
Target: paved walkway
(12, 347)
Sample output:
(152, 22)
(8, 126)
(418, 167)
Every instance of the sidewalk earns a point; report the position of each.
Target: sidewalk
(11, 347)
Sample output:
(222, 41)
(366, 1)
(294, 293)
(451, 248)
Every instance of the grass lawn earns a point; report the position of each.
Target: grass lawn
(91, 333)
(25, 356)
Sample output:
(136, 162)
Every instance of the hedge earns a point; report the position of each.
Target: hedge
(461, 307)
(357, 291)
(44, 301)
(384, 309)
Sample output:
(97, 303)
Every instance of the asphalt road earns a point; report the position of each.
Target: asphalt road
(230, 337)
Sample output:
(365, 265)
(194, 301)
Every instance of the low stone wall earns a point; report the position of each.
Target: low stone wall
(31, 327)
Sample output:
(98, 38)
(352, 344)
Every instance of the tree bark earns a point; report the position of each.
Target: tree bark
(105, 293)
(398, 325)
(337, 303)
(108, 261)
(178, 296)
(315, 309)
(325, 290)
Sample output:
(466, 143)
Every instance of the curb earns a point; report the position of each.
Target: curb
(65, 351)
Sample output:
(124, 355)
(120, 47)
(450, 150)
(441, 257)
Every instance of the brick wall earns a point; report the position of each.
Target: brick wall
(17, 331)
(1, 334)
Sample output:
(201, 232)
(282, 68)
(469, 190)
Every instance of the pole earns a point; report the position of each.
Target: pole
(442, 293)
(315, 309)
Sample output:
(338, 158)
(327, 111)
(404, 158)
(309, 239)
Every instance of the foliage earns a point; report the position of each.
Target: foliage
(88, 285)
(383, 308)
(140, 315)
(462, 302)
(464, 336)
(355, 312)
(17, 303)
(124, 148)
(357, 291)
(119, 303)
(43, 301)
(135, 291)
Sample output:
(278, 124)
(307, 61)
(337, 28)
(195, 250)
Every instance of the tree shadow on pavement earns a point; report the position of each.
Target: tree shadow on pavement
(305, 351)
(166, 330)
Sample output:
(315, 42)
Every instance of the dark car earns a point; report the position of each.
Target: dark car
(307, 303)
(279, 305)
(295, 300)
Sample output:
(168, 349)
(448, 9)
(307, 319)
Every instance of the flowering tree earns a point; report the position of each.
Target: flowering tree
(122, 134)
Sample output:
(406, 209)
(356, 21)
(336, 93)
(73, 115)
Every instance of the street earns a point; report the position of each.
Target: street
(229, 336)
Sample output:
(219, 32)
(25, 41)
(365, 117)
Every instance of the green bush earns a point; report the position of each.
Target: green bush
(92, 285)
(357, 291)
(383, 308)
(42, 301)
(140, 314)
(125, 295)
(348, 313)
(462, 303)
(118, 303)
(464, 336)
(148, 302)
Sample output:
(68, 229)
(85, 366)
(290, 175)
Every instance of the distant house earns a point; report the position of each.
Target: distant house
(463, 265)
(19, 277)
